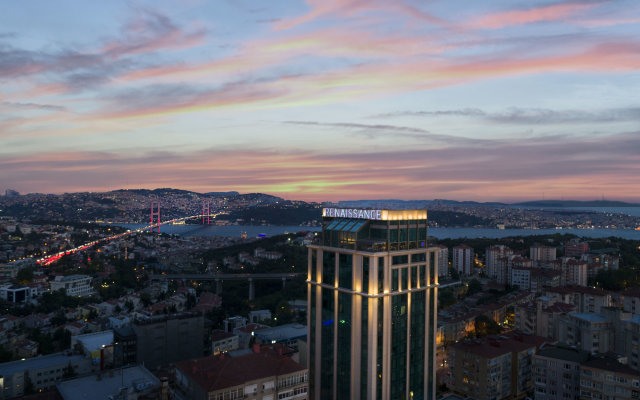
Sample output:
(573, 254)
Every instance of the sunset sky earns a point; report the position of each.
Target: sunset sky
(323, 99)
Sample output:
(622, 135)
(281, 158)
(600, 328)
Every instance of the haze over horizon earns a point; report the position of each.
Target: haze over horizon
(323, 100)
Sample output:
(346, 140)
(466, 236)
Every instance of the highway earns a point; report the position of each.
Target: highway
(48, 260)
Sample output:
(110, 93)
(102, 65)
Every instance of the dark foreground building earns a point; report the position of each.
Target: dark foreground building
(372, 294)
(164, 339)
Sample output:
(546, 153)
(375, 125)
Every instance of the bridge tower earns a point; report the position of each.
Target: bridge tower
(205, 211)
(155, 213)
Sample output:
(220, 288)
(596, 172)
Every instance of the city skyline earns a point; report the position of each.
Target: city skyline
(323, 100)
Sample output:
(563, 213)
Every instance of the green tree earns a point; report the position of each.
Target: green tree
(446, 298)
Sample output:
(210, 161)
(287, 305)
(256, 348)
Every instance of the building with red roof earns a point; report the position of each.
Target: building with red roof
(263, 373)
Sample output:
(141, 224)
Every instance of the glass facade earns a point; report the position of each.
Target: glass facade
(372, 310)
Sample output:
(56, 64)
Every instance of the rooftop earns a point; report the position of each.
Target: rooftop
(71, 278)
(578, 289)
(590, 317)
(136, 379)
(218, 334)
(609, 364)
(564, 353)
(39, 362)
(497, 345)
(219, 372)
(283, 332)
(95, 341)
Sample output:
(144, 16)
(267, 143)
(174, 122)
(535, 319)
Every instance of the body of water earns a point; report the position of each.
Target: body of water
(471, 233)
(440, 233)
(225, 230)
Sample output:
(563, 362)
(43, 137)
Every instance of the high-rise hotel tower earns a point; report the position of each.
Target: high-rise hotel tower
(372, 293)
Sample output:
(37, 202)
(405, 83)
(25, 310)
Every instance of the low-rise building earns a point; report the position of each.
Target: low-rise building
(246, 333)
(259, 316)
(125, 383)
(42, 372)
(18, 293)
(287, 334)
(97, 346)
(73, 285)
(264, 374)
(222, 342)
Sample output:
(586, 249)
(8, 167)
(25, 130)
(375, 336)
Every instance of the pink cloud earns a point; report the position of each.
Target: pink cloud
(568, 167)
(383, 79)
(553, 12)
(349, 8)
(149, 32)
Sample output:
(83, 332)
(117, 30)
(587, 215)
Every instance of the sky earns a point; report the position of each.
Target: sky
(323, 100)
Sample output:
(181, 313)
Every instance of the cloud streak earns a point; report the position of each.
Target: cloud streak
(520, 169)
(547, 13)
(531, 116)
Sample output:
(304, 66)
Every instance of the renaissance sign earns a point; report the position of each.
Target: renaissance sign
(352, 213)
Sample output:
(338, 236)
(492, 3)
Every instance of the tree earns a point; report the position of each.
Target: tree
(5, 355)
(486, 326)
(145, 297)
(446, 298)
(63, 337)
(59, 318)
(474, 287)
(454, 274)
(25, 275)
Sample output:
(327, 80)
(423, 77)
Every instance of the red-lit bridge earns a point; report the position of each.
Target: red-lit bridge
(55, 257)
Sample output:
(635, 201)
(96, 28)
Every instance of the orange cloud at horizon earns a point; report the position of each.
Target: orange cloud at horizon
(317, 177)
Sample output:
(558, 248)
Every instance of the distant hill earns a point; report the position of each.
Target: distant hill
(222, 194)
(576, 203)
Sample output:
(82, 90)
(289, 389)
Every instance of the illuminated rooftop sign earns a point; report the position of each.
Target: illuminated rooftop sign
(383, 215)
